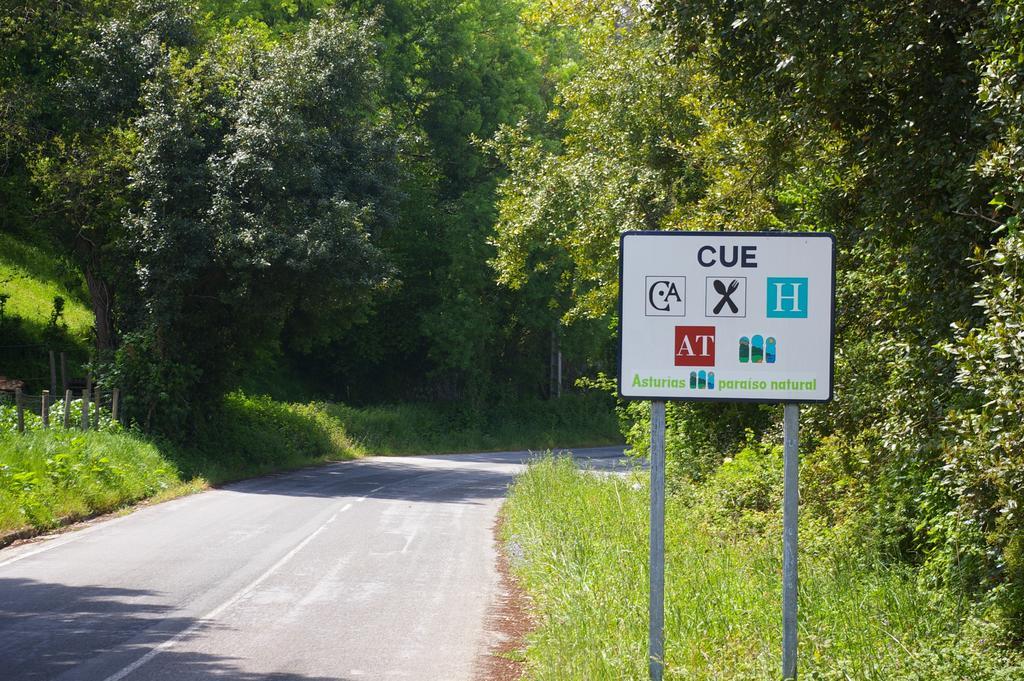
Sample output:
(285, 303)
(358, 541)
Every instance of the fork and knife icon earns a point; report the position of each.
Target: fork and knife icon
(726, 293)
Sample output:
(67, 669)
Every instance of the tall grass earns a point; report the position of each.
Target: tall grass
(254, 435)
(581, 543)
(49, 477)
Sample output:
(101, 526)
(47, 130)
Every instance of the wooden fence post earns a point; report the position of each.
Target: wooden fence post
(67, 409)
(45, 411)
(64, 370)
(85, 409)
(97, 405)
(115, 403)
(20, 408)
(86, 396)
(53, 373)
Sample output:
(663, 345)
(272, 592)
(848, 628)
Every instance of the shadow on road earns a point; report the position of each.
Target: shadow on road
(448, 478)
(89, 632)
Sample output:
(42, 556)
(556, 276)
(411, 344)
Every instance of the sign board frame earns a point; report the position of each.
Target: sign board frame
(725, 398)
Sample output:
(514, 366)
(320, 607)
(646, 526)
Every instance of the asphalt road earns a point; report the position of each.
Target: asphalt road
(381, 568)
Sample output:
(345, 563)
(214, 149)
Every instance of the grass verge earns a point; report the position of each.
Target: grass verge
(252, 436)
(570, 421)
(580, 548)
(50, 478)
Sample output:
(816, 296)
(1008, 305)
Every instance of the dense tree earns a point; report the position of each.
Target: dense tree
(262, 176)
(454, 72)
(72, 77)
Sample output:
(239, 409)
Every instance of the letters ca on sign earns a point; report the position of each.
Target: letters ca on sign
(665, 296)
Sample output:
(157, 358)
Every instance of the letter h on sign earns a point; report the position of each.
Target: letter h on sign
(787, 297)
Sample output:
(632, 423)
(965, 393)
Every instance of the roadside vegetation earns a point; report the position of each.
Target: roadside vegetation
(51, 477)
(897, 130)
(578, 542)
(574, 420)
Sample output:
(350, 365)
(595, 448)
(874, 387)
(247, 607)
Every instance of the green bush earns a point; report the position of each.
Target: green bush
(251, 435)
(984, 466)
(572, 420)
(697, 436)
(749, 481)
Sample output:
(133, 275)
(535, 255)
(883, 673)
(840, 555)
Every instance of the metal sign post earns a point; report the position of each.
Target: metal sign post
(790, 504)
(725, 317)
(656, 622)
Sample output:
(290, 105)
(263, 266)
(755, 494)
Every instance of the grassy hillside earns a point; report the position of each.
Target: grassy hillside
(31, 279)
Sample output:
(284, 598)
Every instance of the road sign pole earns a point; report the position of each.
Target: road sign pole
(656, 623)
(790, 504)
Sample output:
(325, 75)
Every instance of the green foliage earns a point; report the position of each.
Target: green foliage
(749, 481)
(454, 72)
(984, 468)
(266, 178)
(282, 16)
(1001, 95)
(248, 435)
(698, 436)
(896, 129)
(421, 199)
(579, 544)
(49, 477)
(572, 420)
(261, 176)
(622, 163)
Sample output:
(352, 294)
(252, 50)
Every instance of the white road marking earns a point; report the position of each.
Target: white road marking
(409, 541)
(375, 489)
(239, 595)
(53, 543)
(78, 534)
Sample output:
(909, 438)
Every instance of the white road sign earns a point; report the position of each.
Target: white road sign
(728, 316)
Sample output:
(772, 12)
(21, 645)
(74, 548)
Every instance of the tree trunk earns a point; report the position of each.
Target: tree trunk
(102, 308)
